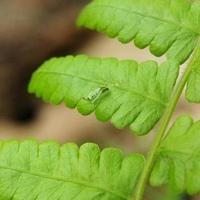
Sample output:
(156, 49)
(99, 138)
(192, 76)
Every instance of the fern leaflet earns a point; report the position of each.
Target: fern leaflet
(133, 94)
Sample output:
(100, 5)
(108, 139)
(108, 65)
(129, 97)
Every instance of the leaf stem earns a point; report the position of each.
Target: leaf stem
(164, 125)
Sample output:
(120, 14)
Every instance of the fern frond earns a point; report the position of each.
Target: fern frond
(164, 25)
(128, 93)
(47, 171)
(179, 161)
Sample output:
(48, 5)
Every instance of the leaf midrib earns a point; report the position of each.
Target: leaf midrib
(56, 178)
(103, 84)
(143, 15)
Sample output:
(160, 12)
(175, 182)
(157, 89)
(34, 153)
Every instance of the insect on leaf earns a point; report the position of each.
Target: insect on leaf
(166, 26)
(88, 104)
(96, 94)
(125, 92)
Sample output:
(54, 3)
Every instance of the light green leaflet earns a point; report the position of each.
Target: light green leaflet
(193, 84)
(49, 171)
(125, 92)
(166, 26)
(179, 161)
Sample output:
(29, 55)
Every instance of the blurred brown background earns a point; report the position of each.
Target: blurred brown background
(31, 32)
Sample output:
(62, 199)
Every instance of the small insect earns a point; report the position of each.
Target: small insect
(97, 94)
(88, 104)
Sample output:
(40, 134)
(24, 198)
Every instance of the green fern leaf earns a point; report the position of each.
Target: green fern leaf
(47, 171)
(179, 160)
(165, 25)
(128, 93)
(193, 86)
(193, 83)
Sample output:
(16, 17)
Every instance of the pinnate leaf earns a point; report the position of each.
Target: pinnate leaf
(48, 171)
(179, 161)
(125, 92)
(167, 26)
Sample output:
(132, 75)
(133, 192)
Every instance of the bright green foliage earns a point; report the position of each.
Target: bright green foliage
(179, 161)
(193, 84)
(125, 92)
(47, 171)
(128, 93)
(166, 26)
(171, 26)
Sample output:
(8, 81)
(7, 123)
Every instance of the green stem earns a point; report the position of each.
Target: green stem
(164, 125)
